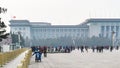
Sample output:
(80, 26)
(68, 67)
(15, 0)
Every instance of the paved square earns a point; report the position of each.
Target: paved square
(76, 59)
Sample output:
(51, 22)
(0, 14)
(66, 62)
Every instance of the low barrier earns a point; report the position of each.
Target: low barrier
(8, 56)
(26, 61)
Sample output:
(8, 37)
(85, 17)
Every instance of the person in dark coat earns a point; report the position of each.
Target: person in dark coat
(111, 48)
(33, 49)
(86, 48)
(45, 51)
(93, 48)
(117, 47)
(82, 49)
(38, 55)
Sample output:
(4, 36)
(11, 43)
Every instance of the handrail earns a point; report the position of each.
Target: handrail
(26, 61)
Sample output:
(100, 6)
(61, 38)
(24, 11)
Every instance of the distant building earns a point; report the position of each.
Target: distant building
(104, 27)
(34, 31)
(108, 28)
(20, 26)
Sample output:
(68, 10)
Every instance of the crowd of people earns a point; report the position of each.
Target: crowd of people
(98, 49)
(39, 50)
(68, 49)
(54, 49)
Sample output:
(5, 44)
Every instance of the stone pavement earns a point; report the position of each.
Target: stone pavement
(76, 59)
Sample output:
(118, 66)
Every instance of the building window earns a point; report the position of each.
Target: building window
(65, 30)
(107, 28)
(107, 31)
(102, 30)
(49, 30)
(15, 28)
(78, 30)
(53, 30)
(117, 31)
(44, 30)
(82, 30)
(41, 30)
(69, 30)
(61, 30)
(117, 28)
(19, 28)
(112, 28)
(74, 30)
(24, 28)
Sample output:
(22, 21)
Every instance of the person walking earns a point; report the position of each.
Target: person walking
(82, 49)
(45, 51)
(111, 48)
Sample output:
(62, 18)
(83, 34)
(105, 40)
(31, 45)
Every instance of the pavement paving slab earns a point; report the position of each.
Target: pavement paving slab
(76, 59)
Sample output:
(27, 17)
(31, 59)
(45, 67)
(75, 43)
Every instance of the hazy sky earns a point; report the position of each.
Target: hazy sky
(61, 12)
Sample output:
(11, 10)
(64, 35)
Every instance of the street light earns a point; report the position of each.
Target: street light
(113, 33)
(73, 40)
(19, 40)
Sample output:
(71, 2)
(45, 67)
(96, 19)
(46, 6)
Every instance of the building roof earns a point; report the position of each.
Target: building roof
(95, 20)
(19, 21)
(39, 23)
(62, 26)
(43, 24)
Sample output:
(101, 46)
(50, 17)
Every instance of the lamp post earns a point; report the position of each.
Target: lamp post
(113, 33)
(19, 40)
(73, 40)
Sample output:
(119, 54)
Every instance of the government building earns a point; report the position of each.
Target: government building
(34, 31)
